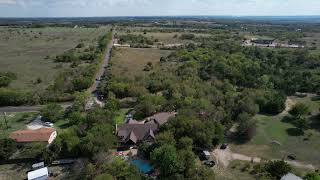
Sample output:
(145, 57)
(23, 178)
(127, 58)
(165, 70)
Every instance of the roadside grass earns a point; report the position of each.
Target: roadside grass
(25, 51)
(16, 121)
(272, 128)
(130, 62)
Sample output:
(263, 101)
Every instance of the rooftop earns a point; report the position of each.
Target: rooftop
(39, 135)
(37, 174)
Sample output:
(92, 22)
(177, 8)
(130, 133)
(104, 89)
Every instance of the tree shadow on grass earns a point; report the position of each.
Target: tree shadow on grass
(295, 132)
(287, 119)
(315, 122)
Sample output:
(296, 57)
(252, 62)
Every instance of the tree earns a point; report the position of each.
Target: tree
(299, 110)
(99, 138)
(119, 169)
(7, 148)
(166, 159)
(278, 168)
(52, 112)
(104, 176)
(247, 127)
(312, 176)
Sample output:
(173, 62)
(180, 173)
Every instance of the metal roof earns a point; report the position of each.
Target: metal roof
(38, 174)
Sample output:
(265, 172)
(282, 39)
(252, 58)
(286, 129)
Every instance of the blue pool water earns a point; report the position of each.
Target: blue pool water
(143, 166)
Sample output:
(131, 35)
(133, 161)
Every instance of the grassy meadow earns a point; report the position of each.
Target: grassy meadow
(130, 62)
(274, 128)
(29, 52)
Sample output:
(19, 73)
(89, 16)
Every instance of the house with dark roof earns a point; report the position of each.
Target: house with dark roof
(134, 132)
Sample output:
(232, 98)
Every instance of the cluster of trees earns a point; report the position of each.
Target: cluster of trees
(135, 40)
(271, 170)
(187, 36)
(87, 133)
(174, 157)
(299, 116)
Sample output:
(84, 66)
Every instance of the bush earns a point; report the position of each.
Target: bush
(278, 168)
(52, 112)
(7, 148)
(187, 36)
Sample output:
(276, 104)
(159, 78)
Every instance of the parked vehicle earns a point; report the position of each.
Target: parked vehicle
(209, 163)
(48, 124)
(224, 146)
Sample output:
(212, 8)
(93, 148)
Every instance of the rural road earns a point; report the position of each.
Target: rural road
(11, 109)
(101, 71)
(92, 89)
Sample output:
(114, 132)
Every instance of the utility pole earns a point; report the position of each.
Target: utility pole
(5, 119)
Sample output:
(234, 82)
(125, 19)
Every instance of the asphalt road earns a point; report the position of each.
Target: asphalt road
(10, 109)
(100, 73)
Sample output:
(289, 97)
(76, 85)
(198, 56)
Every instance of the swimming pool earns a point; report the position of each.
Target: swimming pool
(143, 166)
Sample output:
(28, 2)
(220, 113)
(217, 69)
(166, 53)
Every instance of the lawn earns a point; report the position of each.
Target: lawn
(235, 171)
(15, 121)
(130, 62)
(24, 51)
(121, 114)
(272, 128)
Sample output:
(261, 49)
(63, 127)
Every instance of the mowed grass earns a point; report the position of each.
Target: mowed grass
(24, 51)
(272, 128)
(15, 121)
(130, 62)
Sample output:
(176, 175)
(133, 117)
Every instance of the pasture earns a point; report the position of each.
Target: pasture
(304, 146)
(29, 52)
(130, 62)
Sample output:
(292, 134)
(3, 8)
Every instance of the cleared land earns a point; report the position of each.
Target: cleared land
(25, 51)
(274, 128)
(130, 62)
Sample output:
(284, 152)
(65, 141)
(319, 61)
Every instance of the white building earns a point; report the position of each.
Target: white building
(39, 174)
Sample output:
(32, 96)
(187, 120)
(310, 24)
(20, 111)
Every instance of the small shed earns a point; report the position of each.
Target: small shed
(291, 176)
(39, 174)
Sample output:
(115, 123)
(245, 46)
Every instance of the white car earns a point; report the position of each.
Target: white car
(49, 124)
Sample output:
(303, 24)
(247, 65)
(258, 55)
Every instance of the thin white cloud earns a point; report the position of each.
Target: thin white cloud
(8, 1)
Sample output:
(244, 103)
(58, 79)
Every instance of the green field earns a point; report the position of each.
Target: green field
(272, 128)
(130, 62)
(24, 51)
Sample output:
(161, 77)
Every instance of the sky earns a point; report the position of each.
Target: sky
(88, 8)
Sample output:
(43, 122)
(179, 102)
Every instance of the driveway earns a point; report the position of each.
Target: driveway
(224, 157)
